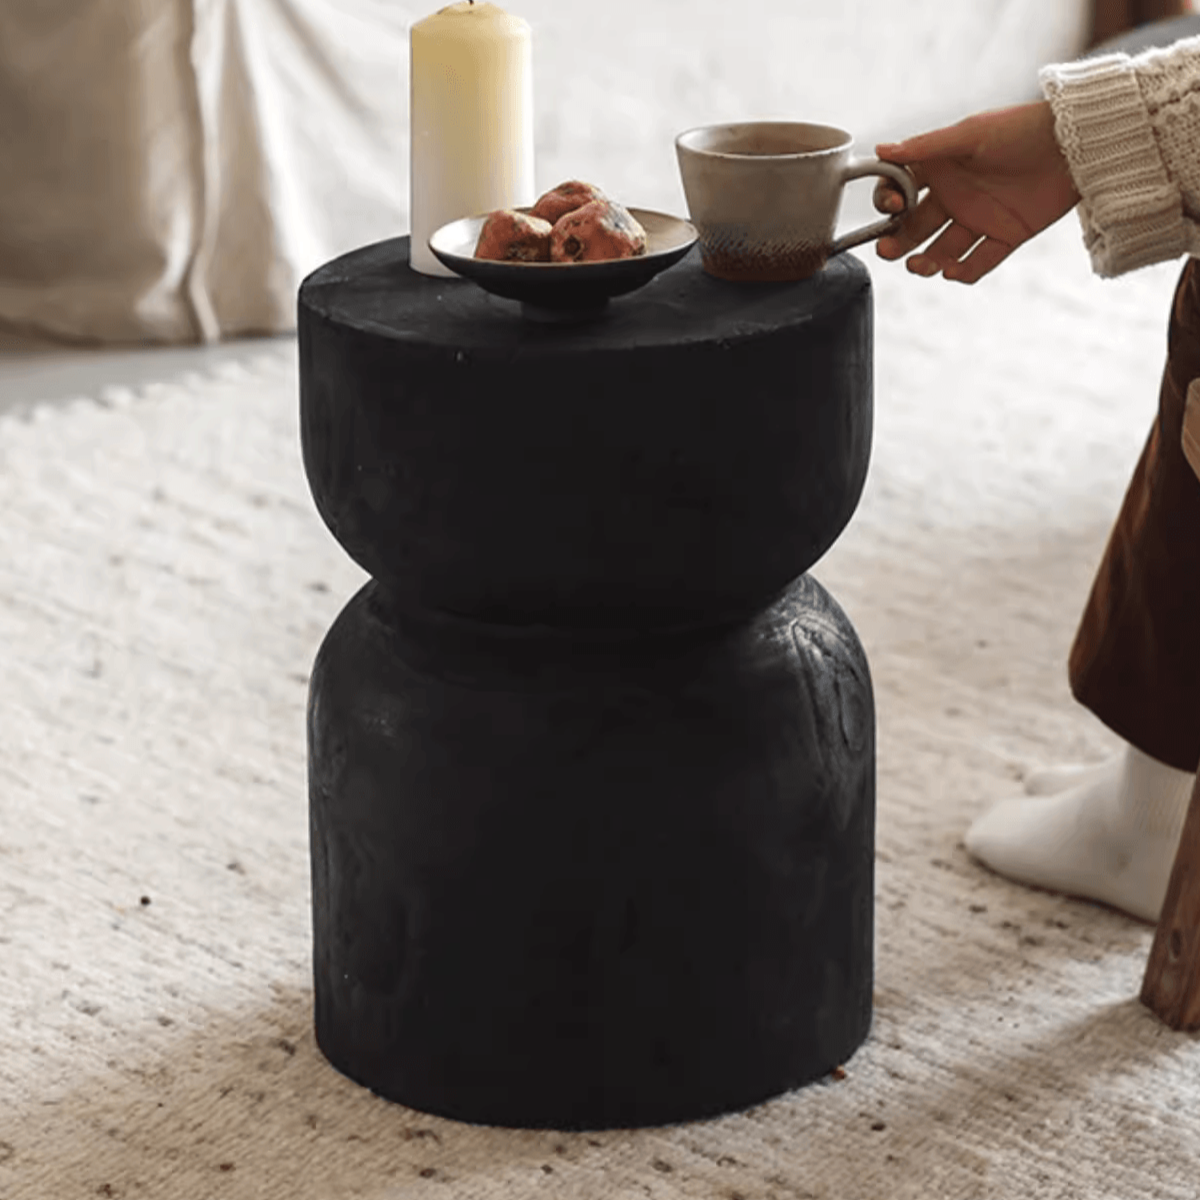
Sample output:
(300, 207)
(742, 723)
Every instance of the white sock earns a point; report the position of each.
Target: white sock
(1047, 780)
(1111, 838)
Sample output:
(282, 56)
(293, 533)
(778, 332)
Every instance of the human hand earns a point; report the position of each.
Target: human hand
(999, 176)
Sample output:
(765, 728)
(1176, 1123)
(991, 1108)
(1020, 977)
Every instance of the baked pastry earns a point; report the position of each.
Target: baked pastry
(601, 229)
(565, 198)
(511, 236)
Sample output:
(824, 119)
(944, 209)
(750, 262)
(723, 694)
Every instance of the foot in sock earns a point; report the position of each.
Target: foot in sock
(1047, 780)
(1111, 837)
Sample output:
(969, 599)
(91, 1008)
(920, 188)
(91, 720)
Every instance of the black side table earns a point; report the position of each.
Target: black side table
(591, 759)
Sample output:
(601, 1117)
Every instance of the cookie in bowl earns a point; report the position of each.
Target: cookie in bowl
(566, 198)
(600, 230)
(511, 236)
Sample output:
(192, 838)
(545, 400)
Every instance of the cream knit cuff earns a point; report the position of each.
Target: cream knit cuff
(1131, 211)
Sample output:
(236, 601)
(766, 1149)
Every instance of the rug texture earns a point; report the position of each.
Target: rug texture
(164, 585)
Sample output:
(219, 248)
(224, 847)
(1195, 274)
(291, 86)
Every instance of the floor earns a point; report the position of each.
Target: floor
(34, 371)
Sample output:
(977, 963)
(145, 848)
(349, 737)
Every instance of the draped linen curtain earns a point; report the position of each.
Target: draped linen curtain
(170, 169)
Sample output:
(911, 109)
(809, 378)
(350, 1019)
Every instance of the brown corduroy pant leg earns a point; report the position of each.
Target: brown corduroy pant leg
(1113, 17)
(1136, 658)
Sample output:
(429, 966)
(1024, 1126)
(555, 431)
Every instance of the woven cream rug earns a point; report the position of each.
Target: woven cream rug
(164, 585)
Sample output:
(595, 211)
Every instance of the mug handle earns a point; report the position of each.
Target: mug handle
(856, 169)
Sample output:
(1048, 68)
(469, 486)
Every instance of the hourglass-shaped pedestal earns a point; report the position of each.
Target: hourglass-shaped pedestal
(591, 758)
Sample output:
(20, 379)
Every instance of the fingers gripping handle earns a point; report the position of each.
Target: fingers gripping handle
(857, 169)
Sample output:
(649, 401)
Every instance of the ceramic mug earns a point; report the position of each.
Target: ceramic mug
(765, 196)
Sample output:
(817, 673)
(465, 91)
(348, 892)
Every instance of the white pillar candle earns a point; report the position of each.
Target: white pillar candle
(471, 72)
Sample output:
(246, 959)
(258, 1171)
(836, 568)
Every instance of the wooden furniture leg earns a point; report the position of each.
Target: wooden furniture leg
(1171, 986)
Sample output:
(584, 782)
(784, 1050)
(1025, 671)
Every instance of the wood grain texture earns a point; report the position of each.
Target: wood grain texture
(1171, 987)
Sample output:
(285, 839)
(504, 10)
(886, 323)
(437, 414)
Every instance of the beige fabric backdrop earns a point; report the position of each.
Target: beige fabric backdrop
(179, 164)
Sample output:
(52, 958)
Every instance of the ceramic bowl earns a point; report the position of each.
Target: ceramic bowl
(564, 291)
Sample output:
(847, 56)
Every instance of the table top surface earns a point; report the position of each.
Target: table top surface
(374, 290)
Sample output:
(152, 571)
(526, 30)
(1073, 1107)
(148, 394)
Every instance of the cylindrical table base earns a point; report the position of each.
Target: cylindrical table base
(591, 883)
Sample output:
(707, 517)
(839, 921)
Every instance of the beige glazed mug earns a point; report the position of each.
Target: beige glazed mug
(765, 196)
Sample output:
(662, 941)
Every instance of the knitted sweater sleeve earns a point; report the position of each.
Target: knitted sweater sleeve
(1130, 130)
